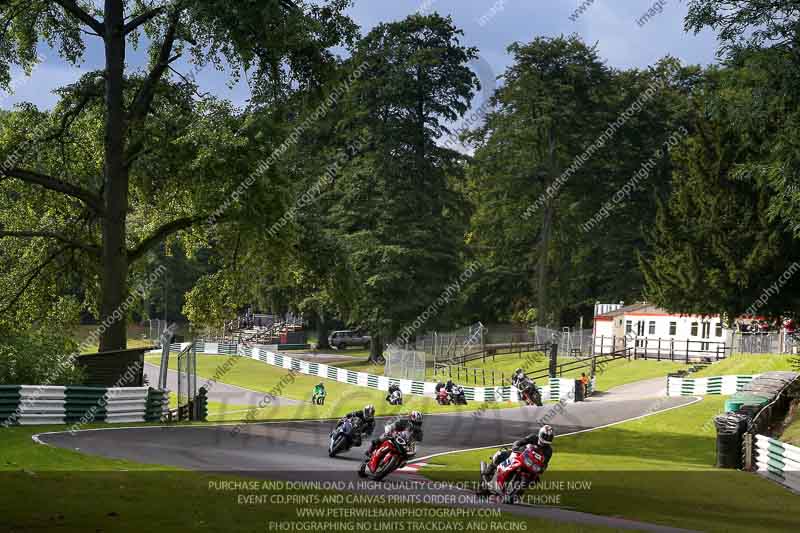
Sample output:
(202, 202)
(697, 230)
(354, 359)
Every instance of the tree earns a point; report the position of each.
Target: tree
(283, 45)
(715, 246)
(761, 41)
(391, 209)
(544, 115)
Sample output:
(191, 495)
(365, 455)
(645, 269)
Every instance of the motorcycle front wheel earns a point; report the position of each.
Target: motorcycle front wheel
(336, 447)
(386, 468)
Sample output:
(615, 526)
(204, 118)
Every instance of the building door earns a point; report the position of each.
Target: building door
(639, 333)
(706, 333)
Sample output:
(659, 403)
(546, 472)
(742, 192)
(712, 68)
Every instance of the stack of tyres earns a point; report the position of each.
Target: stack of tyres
(730, 428)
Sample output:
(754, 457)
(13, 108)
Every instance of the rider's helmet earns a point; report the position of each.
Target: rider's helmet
(518, 371)
(369, 411)
(415, 417)
(546, 434)
(320, 384)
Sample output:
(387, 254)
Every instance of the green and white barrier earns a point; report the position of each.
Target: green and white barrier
(778, 461)
(33, 405)
(557, 388)
(711, 385)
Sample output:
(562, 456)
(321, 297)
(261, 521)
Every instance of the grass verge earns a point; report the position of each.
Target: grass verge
(746, 364)
(51, 489)
(657, 469)
(342, 398)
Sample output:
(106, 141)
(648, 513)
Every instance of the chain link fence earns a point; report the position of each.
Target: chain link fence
(404, 364)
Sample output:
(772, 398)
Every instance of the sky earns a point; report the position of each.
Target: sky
(489, 25)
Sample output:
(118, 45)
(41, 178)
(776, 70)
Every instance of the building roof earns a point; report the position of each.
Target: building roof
(640, 307)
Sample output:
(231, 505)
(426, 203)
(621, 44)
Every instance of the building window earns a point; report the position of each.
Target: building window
(651, 328)
(694, 329)
(628, 327)
(719, 329)
(673, 328)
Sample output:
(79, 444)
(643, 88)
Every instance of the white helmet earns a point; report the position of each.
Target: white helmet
(546, 434)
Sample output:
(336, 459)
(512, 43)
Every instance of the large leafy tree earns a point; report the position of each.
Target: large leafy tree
(132, 156)
(546, 112)
(393, 209)
(716, 247)
(761, 40)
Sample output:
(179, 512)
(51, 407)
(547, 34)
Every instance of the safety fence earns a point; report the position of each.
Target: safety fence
(777, 461)
(34, 405)
(556, 389)
(679, 386)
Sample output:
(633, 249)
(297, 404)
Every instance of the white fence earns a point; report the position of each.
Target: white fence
(710, 385)
(556, 389)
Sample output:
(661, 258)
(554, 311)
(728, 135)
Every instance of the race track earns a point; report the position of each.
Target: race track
(297, 450)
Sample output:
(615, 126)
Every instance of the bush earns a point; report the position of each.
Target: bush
(41, 354)
(39, 358)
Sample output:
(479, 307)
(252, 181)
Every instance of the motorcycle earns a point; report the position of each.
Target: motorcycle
(457, 396)
(318, 399)
(530, 393)
(343, 437)
(389, 456)
(396, 398)
(443, 397)
(513, 476)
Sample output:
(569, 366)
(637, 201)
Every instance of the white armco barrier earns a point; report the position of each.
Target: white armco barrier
(558, 389)
(711, 385)
(778, 461)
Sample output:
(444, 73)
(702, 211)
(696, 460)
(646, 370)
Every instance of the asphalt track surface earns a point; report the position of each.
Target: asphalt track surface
(297, 451)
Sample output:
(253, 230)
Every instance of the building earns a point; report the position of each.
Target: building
(654, 332)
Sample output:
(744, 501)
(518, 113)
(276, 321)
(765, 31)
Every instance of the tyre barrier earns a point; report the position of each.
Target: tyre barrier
(777, 461)
(680, 386)
(557, 389)
(41, 405)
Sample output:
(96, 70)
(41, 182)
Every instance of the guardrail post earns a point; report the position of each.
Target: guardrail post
(747, 450)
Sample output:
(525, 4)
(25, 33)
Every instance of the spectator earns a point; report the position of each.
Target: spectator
(585, 383)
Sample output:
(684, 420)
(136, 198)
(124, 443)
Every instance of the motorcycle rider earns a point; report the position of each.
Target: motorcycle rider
(319, 390)
(413, 424)
(449, 386)
(543, 440)
(366, 422)
(518, 377)
(392, 388)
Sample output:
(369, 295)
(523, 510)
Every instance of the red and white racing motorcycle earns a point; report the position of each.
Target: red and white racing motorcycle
(511, 477)
(389, 456)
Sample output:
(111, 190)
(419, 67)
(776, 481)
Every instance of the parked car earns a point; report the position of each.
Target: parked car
(346, 338)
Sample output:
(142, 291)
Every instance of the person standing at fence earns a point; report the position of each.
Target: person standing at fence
(585, 384)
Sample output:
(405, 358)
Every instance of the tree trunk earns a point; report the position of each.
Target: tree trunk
(115, 189)
(546, 235)
(542, 270)
(376, 349)
(322, 331)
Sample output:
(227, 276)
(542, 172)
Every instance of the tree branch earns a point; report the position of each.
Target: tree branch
(72, 7)
(53, 184)
(144, 99)
(91, 248)
(162, 232)
(33, 276)
(142, 19)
